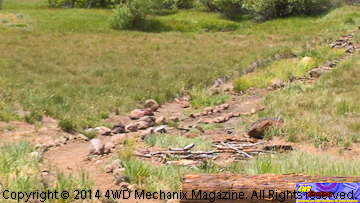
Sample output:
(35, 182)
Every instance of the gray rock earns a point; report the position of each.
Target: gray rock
(161, 129)
(150, 120)
(83, 137)
(103, 130)
(119, 127)
(349, 49)
(316, 72)
(161, 120)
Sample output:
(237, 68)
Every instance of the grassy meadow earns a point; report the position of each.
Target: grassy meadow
(69, 63)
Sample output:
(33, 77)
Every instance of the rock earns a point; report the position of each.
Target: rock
(34, 155)
(221, 80)
(150, 120)
(83, 137)
(63, 140)
(161, 120)
(316, 72)
(50, 143)
(224, 106)
(270, 88)
(277, 57)
(121, 179)
(116, 164)
(278, 84)
(98, 162)
(161, 129)
(57, 142)
(96, 147)
(253, 111)
(151, 104)
(209, 109)
(119, 139)
(38, 146)
(257, 129)
(174, 119)
(136, 114)
(306, 60)
(146, 132)
(148, 112)
(141, 125)
(89, 130)
(219, 119)
(203, 113)
(103, 130)
(236, 115)
(119, 127)
(228, 116)
(109, 147)
(118, 172)
(194, 115)
(108, 169)
(132, 127)
(184, 104)
(214, 90)
(349, 49)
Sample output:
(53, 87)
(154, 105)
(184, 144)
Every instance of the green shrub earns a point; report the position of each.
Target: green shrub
(268, 9)
(208, 4)
(67, 124)
(4, 19)
(230, 8)
(131, 15)
(184, 4)
(84, 3)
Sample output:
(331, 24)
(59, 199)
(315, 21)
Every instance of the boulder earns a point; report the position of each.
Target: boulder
(257, 129)
(219, 119)
(161, 120)
(63, 140)
(278, 84)
(136, 114)
(146, 132)
(119, 127)
(96, 147)
(83, 137)
(50, 143)
(118, 172)
(350, 49)
(132, 127)
(151, 104)
(148, 112)
(306, 60)
(103, 130)
(116, 164)
(161, 129)
(209, 109)
(224, 106)
(185, 104)
(119, 139)
(150, 120)
(316, 72)
(141, 125)
(109, 147)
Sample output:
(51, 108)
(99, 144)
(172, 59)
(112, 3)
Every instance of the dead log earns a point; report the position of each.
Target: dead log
(248, 185)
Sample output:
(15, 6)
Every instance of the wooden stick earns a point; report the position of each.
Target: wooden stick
(237, 150)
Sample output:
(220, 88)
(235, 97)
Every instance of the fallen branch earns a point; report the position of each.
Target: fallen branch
(237, 150)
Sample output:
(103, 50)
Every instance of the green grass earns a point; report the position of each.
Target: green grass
(286, 68)
(299, 163)
(327, 113)
(176, 141)
(69, 64)
(152, 178)
(21, 173)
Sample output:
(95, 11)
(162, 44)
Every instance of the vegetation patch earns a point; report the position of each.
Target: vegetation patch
(177, 141)
(323, 114)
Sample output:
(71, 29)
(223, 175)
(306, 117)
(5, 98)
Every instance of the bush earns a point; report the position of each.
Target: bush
(131, 15)
(268, 9)
(184, 4)
(208, 4)
(230, 8)
(84, 3)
